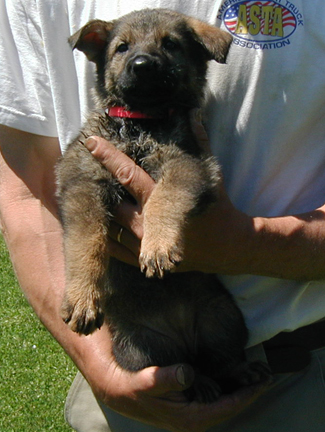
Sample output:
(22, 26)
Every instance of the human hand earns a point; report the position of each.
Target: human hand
(213, 240)
(128, 215)
(154, 395)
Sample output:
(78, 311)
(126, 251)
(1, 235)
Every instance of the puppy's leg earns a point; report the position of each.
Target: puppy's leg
(161, 246)
(184, 185)
(221, 339)
(86, 254)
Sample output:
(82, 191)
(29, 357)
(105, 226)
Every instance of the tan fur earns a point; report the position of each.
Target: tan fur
(152, 61)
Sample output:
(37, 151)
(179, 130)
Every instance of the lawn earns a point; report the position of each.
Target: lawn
(35, 374)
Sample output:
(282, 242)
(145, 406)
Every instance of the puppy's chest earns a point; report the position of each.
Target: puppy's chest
(147, 153)
(149, 145)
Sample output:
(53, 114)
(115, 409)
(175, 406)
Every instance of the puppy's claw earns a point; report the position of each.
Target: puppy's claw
(252, 373)
(83, 317)
(159, 263)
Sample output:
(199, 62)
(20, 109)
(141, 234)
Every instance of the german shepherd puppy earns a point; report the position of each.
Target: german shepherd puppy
(151, 72)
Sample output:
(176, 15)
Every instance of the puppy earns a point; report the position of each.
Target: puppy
(151, 72)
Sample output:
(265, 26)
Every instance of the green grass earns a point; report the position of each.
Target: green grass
(35, 374)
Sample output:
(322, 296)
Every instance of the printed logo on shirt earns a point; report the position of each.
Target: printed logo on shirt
(261, 24)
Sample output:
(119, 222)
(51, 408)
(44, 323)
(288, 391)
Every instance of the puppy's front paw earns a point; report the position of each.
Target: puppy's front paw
(83, 315)
(159, 261)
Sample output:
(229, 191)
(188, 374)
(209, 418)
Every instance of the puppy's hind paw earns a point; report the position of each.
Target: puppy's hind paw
(252, 373)
(82, 317)
(204, 390)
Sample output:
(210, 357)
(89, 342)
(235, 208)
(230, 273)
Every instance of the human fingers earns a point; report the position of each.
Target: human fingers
(130, 216)
(161, 381)
(203, 417)
(134, 179)
(152, 395)
(123, 241)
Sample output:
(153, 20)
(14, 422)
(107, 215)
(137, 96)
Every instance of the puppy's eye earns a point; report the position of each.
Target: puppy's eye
(170, 44)
(122, 48)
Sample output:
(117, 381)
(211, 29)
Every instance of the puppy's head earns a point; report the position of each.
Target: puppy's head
(151, 58)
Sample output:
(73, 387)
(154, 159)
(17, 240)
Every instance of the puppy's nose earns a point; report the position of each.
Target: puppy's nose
(143, 64)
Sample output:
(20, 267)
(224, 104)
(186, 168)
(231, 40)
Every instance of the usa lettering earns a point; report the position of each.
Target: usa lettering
(266, 20)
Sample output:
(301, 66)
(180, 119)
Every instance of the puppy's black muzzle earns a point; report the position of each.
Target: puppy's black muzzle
(143, 66)
(148, 80)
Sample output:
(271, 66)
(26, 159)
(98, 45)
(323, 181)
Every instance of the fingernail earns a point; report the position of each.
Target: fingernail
(91, 144)
(180, 376)
(184, 375)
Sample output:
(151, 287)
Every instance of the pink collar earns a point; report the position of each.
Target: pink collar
(122, 112)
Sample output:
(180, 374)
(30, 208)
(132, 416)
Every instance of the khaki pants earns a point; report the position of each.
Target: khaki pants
(294, 403)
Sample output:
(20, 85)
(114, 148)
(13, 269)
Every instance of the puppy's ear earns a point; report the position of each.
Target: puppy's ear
(92, 39)
(214, 41)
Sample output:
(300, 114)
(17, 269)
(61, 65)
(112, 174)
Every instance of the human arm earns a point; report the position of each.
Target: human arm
(29, 223)
(223, 239)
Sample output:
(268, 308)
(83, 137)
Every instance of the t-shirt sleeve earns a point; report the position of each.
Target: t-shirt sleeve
(26, 101)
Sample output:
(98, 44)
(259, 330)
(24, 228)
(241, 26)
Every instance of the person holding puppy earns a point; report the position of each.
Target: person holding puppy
(265, 238)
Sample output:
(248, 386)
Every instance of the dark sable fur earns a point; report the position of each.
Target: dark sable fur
(154, 61)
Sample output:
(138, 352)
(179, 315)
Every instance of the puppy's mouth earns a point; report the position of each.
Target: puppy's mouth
(147, 95)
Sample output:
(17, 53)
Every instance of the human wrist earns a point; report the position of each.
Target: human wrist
(289, 247)
(92, 356)
(242, 244)
(273, 240)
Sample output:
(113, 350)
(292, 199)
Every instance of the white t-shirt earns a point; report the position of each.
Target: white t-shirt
(265, 115)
